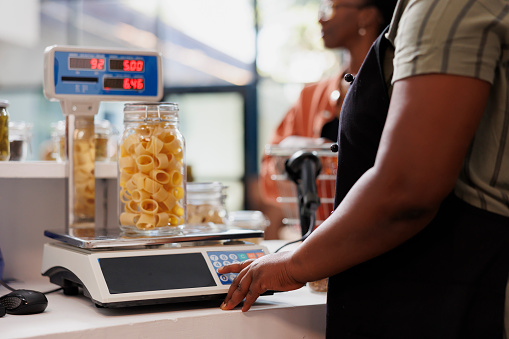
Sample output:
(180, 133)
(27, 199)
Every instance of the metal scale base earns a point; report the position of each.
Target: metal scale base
(118, 270)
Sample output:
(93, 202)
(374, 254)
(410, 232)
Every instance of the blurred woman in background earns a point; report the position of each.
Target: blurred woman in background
(313, 120)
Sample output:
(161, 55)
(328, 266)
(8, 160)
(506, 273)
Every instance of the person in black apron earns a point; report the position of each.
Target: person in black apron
(455, 271)
(447, 280)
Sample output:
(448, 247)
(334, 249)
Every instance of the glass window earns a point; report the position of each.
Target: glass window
(212, 124)
(208, 42)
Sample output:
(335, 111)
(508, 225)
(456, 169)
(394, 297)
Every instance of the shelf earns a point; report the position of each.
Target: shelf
(50, 169)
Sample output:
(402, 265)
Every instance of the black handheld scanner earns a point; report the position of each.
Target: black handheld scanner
(303, 169)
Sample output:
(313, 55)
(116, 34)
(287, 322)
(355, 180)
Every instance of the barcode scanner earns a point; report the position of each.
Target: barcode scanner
(303, 169)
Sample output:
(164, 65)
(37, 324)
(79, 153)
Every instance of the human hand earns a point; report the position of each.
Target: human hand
(295, 141)
(270, 272)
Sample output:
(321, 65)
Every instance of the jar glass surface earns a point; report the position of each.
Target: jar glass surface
(4, 131)
(106, 141)
(20, 136)
(58, 141)
(152, 170)
(206, 203)
(106, 138)
(83, 173)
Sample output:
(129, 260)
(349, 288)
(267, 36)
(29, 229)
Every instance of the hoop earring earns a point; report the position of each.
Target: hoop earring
(362, 31)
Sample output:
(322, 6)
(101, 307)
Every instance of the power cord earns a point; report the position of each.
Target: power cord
(4, 284)
(311, 228)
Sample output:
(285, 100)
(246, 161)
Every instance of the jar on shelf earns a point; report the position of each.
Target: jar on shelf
(152, 170)
(4, 131)
(206, 203)
(105, 141)
(250, 220)
(106, 138)
(58, 141)
(20, 137)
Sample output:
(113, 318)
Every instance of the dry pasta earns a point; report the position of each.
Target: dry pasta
(152, 178)
(84, 177)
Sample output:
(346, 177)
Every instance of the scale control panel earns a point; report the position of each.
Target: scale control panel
(223, 258)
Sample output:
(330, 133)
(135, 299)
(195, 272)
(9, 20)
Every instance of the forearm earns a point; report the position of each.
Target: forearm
(374, 217)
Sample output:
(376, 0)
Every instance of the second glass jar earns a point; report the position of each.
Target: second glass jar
(206, 203)
(152, 170)
(20, 136)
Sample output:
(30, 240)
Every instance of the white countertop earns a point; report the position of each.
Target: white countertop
(295, 314)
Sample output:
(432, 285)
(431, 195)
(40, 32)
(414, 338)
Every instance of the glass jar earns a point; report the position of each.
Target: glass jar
(251, 220)
(4, 131)
(58, 141)
(106, 137)
(83, 174)
(319, 285)
(206, 203)
(152, 170)
(105, 141)
(20, 135)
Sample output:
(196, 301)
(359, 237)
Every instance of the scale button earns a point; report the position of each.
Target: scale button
(242, 256)
(217, 264)
(260, 254)
(226, 262)
(235, 262)
(223, 257)
(223, 278)
(214, 257)
(232, 276)
(233, 256)
(251, 256)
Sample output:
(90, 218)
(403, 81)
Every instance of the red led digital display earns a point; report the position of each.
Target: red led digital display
(124, 83)
(87, 63)
(127, 65)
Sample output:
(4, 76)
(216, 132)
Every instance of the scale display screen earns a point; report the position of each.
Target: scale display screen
(106, 74)
(87, 63)
(124, 83)
(127, 65)
(155, 272)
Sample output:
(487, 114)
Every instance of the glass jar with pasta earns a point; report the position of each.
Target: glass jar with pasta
(206, 204)
(152, 170)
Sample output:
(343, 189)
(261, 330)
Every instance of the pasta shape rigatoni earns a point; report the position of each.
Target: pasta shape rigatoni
(152, 177)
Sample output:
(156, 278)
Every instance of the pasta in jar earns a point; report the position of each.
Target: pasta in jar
(152, 170)
(83, 174)
(206, 203)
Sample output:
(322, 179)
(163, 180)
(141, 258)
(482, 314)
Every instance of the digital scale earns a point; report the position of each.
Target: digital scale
(116, 271)
(111, 268)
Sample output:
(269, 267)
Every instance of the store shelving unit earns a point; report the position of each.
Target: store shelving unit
(51, 169)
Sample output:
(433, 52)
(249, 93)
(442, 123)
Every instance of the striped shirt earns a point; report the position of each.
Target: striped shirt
(467, 38)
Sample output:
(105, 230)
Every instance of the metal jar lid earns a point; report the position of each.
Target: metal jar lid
(4, 103)
(151, 112)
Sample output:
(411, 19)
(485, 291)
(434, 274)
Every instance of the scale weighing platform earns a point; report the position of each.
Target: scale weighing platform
(116, 270)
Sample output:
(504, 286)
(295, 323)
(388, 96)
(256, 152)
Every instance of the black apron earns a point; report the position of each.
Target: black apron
(446, 282)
